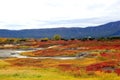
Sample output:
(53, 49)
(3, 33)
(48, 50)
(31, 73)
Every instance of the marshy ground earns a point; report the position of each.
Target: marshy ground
(100, 61)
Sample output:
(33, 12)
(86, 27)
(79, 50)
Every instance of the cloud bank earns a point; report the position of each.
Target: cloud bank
(33, 14)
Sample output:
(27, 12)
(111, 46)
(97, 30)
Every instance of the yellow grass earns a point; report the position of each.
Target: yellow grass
(50, 71)
(25, 73)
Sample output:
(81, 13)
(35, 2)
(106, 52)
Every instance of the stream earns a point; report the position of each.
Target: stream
(16, 54)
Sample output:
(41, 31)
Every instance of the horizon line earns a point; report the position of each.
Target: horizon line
(62, 27)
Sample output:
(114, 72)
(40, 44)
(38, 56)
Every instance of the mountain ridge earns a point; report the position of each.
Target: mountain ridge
(105, 30)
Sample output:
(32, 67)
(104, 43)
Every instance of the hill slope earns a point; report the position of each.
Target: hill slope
(109, 29)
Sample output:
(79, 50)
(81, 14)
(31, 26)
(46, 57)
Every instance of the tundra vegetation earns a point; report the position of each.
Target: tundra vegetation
(96, 59)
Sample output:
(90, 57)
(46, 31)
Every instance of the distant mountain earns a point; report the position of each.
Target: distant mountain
(106, 30)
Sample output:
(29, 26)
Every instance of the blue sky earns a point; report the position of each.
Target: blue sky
(33, 14)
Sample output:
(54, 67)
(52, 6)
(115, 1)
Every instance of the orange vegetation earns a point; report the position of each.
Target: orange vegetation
(72, 47)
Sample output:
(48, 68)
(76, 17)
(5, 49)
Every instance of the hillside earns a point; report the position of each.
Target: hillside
(109, 29)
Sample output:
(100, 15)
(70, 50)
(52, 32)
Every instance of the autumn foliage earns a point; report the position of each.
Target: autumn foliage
(103, 56)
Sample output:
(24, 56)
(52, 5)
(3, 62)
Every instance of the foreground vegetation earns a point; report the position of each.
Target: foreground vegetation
(100, 60)
(49, 69)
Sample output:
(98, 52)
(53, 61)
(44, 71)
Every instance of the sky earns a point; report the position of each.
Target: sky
(36, 14)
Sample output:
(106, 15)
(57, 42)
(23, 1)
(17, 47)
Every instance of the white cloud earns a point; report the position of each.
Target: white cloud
(27, 14)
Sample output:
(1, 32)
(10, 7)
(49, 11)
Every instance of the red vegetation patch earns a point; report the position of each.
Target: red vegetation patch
(67, 67)
(117, 71)
(71, 47)
(70, 68)
(63, 65)
(111, 55)
(25, 62)
(52, 52)
(101, 66)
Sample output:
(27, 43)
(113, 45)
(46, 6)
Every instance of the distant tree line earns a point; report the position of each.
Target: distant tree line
(12, 40)
(59, 37)
(55, 37)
